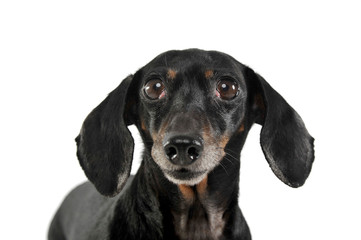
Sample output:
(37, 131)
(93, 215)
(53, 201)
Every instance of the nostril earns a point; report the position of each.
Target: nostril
(183, 150)
(193, 153)
(171, 152)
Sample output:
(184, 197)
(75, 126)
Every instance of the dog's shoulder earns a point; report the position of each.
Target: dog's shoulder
(85, 209)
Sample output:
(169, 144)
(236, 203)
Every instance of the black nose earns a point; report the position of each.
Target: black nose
(183, 150)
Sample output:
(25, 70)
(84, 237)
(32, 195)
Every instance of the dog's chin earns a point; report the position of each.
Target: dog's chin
(185, 177)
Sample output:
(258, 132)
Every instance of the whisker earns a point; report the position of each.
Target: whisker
(232, 151)
(227, 151)
(224, 168)
(230, 155)
(229, 160)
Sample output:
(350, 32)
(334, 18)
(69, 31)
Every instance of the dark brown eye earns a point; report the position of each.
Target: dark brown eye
(154, 89)
(227, 89)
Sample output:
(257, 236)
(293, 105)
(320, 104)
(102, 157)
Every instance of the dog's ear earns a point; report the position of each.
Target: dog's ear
(285, 141)
(105, 145)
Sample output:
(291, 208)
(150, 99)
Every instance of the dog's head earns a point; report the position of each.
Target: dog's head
(188, 105)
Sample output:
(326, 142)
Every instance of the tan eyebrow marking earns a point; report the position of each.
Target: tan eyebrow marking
(208, 74)
(171, 74)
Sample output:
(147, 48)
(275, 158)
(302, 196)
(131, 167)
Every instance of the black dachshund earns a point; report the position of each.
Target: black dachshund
(193, 109)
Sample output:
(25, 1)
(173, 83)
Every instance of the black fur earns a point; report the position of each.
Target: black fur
(196, 200)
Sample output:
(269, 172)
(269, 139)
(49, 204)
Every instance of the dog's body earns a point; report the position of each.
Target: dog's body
(193, 110)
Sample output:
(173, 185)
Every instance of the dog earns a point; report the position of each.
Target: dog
(193, 109)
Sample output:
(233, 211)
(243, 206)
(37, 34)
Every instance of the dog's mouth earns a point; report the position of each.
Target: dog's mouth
(185, 176)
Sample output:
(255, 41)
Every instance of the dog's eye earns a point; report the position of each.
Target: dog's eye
(154, 89)
(227, 89)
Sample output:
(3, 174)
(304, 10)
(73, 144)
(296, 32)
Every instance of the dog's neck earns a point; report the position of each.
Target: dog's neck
(200, 211)
(197, 215)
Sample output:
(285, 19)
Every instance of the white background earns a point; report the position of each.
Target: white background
(59, 59)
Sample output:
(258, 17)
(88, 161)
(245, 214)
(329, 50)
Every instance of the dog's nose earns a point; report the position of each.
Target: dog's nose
(183, 150)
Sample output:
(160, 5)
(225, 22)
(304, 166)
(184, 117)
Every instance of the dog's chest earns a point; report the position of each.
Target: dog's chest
(198, 219)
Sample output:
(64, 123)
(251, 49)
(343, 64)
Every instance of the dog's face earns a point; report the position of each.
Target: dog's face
(190, 106)
(192, 103)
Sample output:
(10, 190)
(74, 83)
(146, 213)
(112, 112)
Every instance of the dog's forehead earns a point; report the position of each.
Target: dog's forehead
(181, 61)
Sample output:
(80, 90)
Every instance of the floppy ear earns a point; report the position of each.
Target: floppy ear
(105, 145)
(285, 141)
